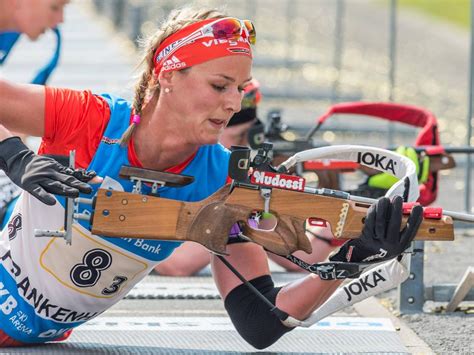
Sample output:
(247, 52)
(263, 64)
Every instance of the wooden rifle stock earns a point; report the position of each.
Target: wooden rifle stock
(208, 222)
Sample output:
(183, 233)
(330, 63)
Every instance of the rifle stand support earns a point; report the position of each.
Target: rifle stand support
(413, 294)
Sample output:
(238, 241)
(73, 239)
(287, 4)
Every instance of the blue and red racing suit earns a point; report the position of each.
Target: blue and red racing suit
(48, 287)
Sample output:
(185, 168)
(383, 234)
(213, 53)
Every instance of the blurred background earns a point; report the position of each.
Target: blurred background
(309, 54)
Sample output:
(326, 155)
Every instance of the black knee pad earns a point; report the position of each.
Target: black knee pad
(252, 317)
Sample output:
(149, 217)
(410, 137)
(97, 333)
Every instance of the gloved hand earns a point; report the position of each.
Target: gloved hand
(381, 237)
(385, 181)
(39, 175)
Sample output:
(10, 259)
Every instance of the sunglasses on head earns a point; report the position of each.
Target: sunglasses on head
(229, 28)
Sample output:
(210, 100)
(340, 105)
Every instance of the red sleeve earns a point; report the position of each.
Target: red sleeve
(73, 120)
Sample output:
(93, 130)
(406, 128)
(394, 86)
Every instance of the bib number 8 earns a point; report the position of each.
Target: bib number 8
(87, 273)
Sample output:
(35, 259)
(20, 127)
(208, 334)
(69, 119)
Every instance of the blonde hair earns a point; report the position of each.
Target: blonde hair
(147, 86)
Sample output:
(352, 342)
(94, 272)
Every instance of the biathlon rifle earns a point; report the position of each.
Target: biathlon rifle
(257, 186)
(257, 189)
(268, 192)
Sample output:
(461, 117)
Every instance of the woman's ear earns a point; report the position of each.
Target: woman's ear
(165, 79)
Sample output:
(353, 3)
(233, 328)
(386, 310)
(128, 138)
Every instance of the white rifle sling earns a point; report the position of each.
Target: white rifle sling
(380, 278)
(376, 158)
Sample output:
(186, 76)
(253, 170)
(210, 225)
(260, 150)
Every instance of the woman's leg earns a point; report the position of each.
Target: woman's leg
(186, 260)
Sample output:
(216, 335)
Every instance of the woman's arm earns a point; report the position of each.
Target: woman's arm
(22, 108)
(382, 239)
(251, 317)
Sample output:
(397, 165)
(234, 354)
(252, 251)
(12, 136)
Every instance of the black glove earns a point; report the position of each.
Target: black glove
(381, 237)
(39, 175)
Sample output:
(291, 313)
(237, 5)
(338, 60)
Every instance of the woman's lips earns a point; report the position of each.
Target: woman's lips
(217, 123)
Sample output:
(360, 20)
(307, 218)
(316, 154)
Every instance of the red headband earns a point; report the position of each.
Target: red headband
(196, 51)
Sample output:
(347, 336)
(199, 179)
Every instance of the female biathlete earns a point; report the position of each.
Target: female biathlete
(195, 68)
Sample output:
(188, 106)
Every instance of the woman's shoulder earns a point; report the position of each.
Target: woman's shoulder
(115, 101)
(85, 98)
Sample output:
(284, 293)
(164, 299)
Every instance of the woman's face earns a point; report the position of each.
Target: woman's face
(34, 17)
(204, 98)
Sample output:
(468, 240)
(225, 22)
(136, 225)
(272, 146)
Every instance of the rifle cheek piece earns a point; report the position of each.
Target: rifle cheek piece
(212, 235)
(288, 236)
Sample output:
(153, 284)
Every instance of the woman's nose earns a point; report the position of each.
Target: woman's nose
(234, 101)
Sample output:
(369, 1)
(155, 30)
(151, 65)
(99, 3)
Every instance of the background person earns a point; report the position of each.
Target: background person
(31, 18)
(173, 124)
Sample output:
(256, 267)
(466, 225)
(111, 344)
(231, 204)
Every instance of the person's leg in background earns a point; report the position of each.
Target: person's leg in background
(186, 260)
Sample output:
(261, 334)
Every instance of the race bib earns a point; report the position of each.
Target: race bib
(91, 266)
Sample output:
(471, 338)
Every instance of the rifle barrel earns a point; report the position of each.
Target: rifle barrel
(283, 146)
(459, 150)
(449, 150)
(458, 216)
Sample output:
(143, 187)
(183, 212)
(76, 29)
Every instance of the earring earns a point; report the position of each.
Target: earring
(167, 90)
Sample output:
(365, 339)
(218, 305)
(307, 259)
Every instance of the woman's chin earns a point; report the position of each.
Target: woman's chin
(208, 140)
(213, 138)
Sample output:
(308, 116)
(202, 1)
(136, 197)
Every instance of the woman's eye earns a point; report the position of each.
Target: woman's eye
(218, 88)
